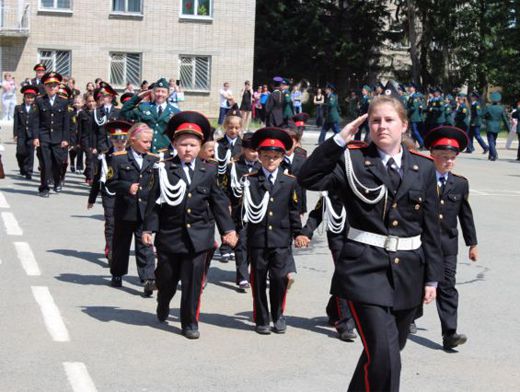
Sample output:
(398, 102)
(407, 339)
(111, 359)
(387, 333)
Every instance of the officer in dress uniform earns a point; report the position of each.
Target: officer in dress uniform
(391, 259)
(130, 177)
(436, 109)
(271, 214)
(332, 110)
(364, 103)
(52, 137)
(415, 106)
(495, 115)
(26, 119)
(118, 131)
(475, 124)
(156, 113)
(40, 69)
(445, 143)
(184, 204)
(275, 105)
(288, 109)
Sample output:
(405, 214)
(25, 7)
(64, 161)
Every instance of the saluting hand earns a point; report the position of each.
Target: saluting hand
(350, 130)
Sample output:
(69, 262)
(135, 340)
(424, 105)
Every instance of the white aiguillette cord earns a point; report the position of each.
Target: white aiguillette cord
(335, 223)
(104, 172)
(251, 212)
(222, 162)
(236, 186)
(170, 194)
(355, 183)
(98, 121)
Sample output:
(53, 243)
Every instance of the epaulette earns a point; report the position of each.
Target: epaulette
(252, 174)
(153, 155)
(70, 108)
(300, 151)
(289, 175)
(415, 152)
(355, 145)
(120, 153)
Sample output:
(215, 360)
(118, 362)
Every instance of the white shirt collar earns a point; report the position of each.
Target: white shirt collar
(290, 158)
(267, 173)
(397, 158)
(439, 175)
(231, 141)
(27, 107)
(162, 105)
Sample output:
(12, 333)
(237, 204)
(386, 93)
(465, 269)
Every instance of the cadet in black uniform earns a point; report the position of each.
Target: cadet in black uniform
(130, 177)
(105, 111)
(52, 137)
(270, 204)
(183, 206)
(88, 139)
(391, 260)
(40, 69)
(118, 131)
(445, 143)
(26, 119)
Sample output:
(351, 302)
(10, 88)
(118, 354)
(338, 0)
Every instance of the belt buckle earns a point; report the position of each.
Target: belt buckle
(391, 243)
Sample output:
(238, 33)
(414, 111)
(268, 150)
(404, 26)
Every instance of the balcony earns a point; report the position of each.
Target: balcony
(15, 20)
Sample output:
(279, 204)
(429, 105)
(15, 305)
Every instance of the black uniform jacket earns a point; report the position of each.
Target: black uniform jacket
(124, 171)
(100, 134)
(224, 145)
(282, 219)
(97, 186)
(25, 123)
(335, 241)
(294, 169)
(372, 274)
(454, 204)
(274, 109)
(54, 121)
(87, 137)
(190, 226)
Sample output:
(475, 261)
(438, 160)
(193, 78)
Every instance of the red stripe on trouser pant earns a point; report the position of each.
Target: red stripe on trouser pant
(200, 297)
(365, 346)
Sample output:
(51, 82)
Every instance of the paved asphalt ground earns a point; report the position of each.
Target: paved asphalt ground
(63, 328)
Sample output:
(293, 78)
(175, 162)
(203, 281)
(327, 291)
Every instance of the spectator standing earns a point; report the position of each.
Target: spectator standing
(174, 90)
(257, 104)
(8, 96)
(246, 105)
(319, 100)
(263, 101)
(296, 98)
(226, 96)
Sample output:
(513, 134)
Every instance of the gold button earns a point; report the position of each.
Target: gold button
(140, 188)
(395, 223)
(188, 210)
(189, 195)
(417, 207)
(441, 216)
(270, 227)
(272, 199)
(420, 198)
(270, 213)
(394, 205)
(396, 260)
(442, 202)
(140, 176)
(140, 199)
(188, 225)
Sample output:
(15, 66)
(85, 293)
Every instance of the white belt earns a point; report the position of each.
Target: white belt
(391, 243)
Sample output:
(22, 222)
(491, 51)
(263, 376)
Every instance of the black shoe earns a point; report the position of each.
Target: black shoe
(451, 341)
(485, 151)
(347, 335)
(72, 169)
(191, 333)
(162, 311)
(43, 193)
(28, 176)
(279, 325)
(58, 188)
(493, 159)
(263, 329)
(413, 328)
(117, 281)
(149, 287)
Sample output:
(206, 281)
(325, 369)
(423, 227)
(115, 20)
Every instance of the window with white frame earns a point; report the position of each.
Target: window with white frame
(127, 6)
(56, 60)
(197, 8)
(195, 72)
(56, 5)
(125, 68)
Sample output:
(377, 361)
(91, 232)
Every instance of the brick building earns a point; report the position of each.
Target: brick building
(201, 42)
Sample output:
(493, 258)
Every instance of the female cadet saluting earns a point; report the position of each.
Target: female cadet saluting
(391, 259)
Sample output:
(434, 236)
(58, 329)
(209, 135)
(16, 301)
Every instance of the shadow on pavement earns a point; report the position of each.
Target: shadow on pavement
(315, 324)
(238, 321)
(425, 342)
(97, 280)
(82, 255)
(96, 217)
(129, 316)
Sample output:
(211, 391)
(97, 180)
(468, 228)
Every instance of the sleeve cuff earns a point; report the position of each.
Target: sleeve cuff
(339, 140)
(432, 284)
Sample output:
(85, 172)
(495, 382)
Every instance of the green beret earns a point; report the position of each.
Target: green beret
(367, 87)
(162, 82)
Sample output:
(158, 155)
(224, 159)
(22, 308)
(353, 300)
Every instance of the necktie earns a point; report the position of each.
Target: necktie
(190, 170)
(395, 178)
(442, 180)
(159, 112)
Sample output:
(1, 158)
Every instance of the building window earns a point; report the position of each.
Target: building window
(127, 6)
(56, 5)
(196, 8)
(195, 72)
(56, 60)
(125, 68)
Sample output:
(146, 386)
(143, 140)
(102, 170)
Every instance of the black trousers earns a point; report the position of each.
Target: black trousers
(51, 157)
(108, 210)
(448, 297)
(241, 259)
(274, 262)
(25, 155)
(337, 308)
(383, 332)
(90, 164)
(76, 158)
(190, 270)
(121, 242)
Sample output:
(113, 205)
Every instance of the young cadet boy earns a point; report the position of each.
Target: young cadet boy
(445, 143)
(246, 163)
(270, 205)
(25, 123)
(118, 131)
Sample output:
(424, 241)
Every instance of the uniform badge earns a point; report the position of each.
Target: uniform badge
(151, 182)
(110, 173)
(295, 197)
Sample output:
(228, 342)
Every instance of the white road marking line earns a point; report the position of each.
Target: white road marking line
(26, 257)
(11, 225)
(78, 376)
(51, 314)
(3, 202)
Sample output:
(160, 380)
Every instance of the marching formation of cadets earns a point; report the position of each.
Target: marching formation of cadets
(390, 212)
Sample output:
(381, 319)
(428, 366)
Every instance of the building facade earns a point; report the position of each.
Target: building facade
(202, 43)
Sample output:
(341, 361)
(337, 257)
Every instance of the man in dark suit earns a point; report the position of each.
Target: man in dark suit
(130, 177)
(26, 119)
(272, 219)
(183, 206)
(275, 104)
(445, 143)
(156, 112)
(52, 137)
